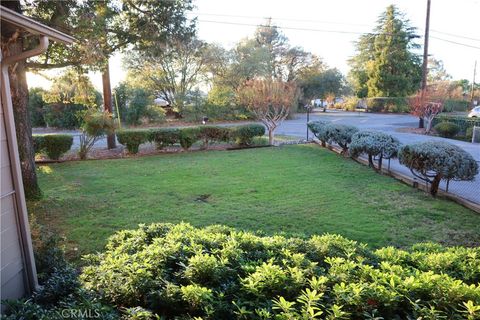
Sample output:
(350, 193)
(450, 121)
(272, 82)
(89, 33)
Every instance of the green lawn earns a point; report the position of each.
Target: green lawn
(301, 189)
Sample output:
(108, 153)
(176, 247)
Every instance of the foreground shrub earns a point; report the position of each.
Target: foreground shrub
(340, 134)
(376, 145)
(53, 145)
(447, 129)
(178, 271)
(244, 135)
(210, 134)
(164, 137)
(95, 124)
(318, 130)
(132, 139)
(433, 161)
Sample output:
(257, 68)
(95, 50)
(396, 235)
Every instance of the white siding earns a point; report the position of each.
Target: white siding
(12, 264)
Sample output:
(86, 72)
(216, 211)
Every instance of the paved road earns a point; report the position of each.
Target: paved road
(388, 123)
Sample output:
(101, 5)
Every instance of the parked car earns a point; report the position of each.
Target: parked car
(475, 113)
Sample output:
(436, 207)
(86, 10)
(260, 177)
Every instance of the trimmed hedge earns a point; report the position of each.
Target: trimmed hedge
(53, 145)
(164, 137)
(186, 137)
(462, 122)
(244, 135)
(447, 129)
(340, 134)
(132, 139)
(318, 129)
(209, 134)
(182, 272)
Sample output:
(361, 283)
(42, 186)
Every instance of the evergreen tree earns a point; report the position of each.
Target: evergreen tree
(385, 65)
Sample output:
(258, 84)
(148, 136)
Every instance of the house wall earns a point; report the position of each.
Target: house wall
(12, 263)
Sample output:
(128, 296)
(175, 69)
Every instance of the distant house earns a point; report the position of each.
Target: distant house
(18, 273)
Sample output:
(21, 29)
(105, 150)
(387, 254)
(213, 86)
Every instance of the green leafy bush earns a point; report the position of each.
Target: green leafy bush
(210, 134)
(178, 271)
(64, 116)
(340, 134)
(461, 121)
(95, 124)
(38, 142)
(132, 139)
(350, 103)
(164, 137)
(447, 129)
(187, 137)
(54, 145)
(36, 106)
(243, 135)
(387, 104)
(376, 145)
(433, 161)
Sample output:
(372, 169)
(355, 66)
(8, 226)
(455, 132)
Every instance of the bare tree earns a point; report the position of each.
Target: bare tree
(269, 100)
(425, 106)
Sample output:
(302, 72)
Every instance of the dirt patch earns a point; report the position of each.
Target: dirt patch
(412, 130)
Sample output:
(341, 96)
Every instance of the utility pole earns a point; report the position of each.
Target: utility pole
(425, 57)
(473, 83)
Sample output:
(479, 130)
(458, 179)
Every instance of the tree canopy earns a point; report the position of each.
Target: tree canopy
(386, 64)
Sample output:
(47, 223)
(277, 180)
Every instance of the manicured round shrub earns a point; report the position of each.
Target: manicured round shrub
(188, 136)
(340, 134)
(318, 130)
(53, 145)
(243, 135)
(376, 145)
(132, 139)
(447, 129)
(181, 272)
(164, 137)
(433, 161)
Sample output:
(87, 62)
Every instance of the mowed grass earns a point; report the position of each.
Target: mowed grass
(295, 190)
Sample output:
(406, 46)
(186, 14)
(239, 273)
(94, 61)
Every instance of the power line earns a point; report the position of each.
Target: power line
(281, 19)
(455, 35)
(330, 31)
(319, 21)
(289, 28)
(455, 42)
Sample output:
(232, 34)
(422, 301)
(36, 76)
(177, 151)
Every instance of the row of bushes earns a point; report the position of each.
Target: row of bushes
(431, 161)
(53, 145)
(242, 135)
(379, 104)
(450, 130)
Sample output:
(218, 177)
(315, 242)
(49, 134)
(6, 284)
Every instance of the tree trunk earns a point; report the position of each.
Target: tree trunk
(107, 102)
(19, 92)
(420, 123)
(380, 163)
(435, 185)
(271, 135)
(370, 161)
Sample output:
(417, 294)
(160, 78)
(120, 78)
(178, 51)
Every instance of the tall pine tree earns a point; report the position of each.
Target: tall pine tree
(386, 65)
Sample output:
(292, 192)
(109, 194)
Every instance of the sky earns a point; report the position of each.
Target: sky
(333, 27)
